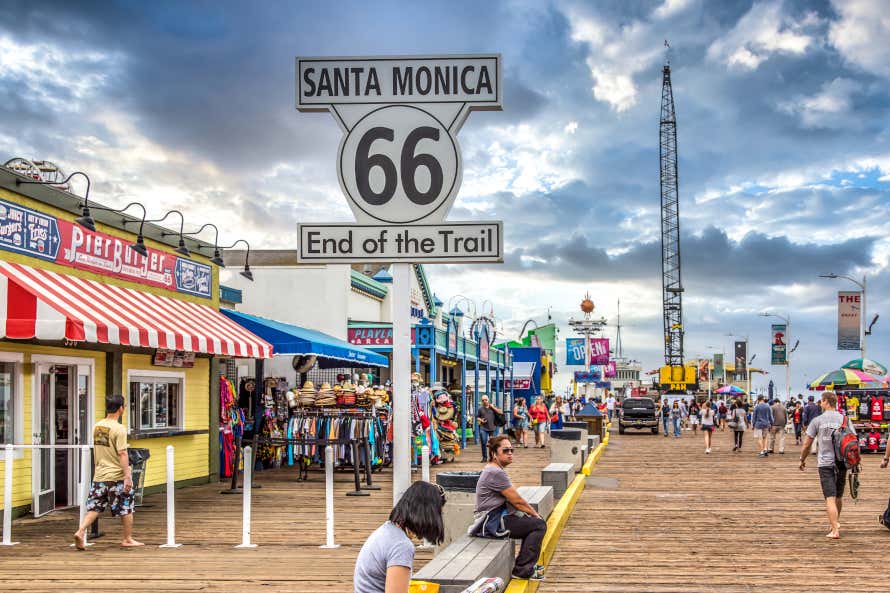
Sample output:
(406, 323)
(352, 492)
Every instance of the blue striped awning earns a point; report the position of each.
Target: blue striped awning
(293, 340)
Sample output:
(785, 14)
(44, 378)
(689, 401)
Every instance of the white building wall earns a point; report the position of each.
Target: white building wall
(364, 308)
(314, 297)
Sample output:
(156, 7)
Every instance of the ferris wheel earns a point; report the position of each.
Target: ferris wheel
(46, 171)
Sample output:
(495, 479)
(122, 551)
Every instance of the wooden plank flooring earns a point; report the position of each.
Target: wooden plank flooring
(659, 515)
(288, 525)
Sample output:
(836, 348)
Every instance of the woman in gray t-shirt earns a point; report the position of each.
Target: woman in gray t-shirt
(386, 560)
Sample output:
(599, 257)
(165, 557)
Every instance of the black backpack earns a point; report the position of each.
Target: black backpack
(885, 518)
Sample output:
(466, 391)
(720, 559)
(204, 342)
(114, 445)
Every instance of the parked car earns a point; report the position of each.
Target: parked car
(637, 412)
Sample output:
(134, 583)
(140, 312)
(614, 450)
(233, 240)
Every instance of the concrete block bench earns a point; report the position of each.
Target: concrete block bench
(593, 441)
(565, 446)
(558, 476)
(539, 497)
(468, 559)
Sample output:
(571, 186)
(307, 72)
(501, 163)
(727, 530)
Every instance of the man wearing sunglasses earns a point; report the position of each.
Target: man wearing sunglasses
(495, 495)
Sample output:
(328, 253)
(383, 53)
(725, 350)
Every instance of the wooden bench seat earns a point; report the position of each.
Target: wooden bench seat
(468, 559)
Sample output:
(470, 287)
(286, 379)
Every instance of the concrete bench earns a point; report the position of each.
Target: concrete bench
(468, 559)
(539, 497)
(558, 476)
(593, 441)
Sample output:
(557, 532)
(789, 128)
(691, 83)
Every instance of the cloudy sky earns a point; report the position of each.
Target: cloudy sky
(782, 111)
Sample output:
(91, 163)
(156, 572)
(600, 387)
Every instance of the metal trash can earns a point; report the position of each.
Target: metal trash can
(138, 459)
(460, 500)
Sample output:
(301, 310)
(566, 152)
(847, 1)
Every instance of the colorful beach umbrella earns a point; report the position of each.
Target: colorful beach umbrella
(868, 365)
(846, 378)
(731, 390)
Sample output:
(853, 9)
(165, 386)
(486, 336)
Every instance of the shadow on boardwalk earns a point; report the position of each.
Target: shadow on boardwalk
(288, 524)
(659, 515)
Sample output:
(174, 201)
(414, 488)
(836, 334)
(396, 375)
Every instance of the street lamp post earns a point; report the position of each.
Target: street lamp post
(866, 330)
(787, 321)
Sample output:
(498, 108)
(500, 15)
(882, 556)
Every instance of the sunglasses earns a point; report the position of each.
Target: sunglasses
(508, 450)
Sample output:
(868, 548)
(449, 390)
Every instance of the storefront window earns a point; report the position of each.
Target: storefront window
(7, 402)
(155, 403)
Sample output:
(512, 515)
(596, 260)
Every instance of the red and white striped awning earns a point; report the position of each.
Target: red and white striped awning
(46, 305)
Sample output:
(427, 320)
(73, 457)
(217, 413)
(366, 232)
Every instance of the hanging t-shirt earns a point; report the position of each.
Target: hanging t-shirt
(877, 408)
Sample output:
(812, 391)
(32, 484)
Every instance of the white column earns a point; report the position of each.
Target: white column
(329, 498)
(401, 379)
(84, 488)
(7, 495)
(245, 517)
(171, 510)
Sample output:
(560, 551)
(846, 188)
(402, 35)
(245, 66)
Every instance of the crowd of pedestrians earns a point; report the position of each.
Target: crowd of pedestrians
(769, 420)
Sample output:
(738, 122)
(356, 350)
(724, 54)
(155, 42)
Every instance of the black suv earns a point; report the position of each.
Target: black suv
(637, 412)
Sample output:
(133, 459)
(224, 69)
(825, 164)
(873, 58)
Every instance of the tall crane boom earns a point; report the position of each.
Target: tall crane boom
(672, 288)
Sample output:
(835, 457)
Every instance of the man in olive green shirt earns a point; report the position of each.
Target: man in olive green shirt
(112, 480)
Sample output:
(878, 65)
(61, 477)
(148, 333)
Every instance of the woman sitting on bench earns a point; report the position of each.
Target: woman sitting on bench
(499, 501)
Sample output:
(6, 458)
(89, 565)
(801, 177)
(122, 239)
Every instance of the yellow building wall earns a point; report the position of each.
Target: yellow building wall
(21, 491)
(191, 452)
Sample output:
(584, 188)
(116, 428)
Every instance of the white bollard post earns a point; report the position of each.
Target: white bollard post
(425, 462)
(171, 511)
(245, 519)
(7, 495)
(84, 488)
(329, 498)
(425, 474)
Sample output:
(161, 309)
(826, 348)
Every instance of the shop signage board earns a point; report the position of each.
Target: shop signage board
(400, 166)
(519, 384)
(372, 336)
(849, 319)
(60, 241)
(778, 343)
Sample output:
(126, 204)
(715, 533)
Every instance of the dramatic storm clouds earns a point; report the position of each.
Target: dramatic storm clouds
(782, 111)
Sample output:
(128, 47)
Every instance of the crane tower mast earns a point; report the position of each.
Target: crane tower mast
(673, 375)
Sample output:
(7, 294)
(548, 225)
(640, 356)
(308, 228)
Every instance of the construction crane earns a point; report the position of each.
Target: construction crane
(673, 377)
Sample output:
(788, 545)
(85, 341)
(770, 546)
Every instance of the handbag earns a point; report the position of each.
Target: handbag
(499, 419)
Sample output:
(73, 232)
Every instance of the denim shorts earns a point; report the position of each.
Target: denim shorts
(103, 494)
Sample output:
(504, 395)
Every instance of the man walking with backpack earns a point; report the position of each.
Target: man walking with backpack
(763, 421)
(832, 470)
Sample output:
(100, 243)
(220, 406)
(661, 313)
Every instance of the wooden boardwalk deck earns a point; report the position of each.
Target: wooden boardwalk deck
(288, 525)
(659, 515)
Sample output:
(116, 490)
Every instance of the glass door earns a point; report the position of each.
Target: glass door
(83, 413)
(43, 460)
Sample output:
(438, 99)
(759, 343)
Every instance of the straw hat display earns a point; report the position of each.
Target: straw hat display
(347, 396)
(307, 394)
(326, 396)
(381, 397)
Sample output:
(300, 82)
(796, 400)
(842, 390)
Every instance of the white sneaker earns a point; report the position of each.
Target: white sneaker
(707, 451)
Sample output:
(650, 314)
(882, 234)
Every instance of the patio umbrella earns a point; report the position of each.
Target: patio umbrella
(868, 365)
(845, 378)
(731, 389)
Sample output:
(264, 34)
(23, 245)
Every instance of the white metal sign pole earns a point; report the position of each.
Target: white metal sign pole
(401, 375)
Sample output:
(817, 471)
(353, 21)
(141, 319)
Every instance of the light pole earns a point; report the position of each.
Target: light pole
(787, 321)
(711, 350)
(866, 331)
(587, 327)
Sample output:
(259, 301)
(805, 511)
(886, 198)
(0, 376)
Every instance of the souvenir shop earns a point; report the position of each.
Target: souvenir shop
(88, 308)
(869, 409)
(448, 368)
(336, 399)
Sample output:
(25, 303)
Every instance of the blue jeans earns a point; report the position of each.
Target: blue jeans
(484, 435)
(666, 422)
(677, 427)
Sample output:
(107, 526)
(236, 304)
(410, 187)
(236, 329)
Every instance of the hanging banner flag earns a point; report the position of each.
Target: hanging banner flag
(718, 365)
(741, 357)
(599, 351)
(849, 319)
(587, 377)
(609, 370)
(703, 365)
(779, 343)
(575, 351)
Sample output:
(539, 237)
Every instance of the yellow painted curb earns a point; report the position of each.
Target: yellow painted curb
(558, 519)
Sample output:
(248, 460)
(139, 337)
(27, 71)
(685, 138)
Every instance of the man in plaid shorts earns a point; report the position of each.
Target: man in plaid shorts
(112, 482)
